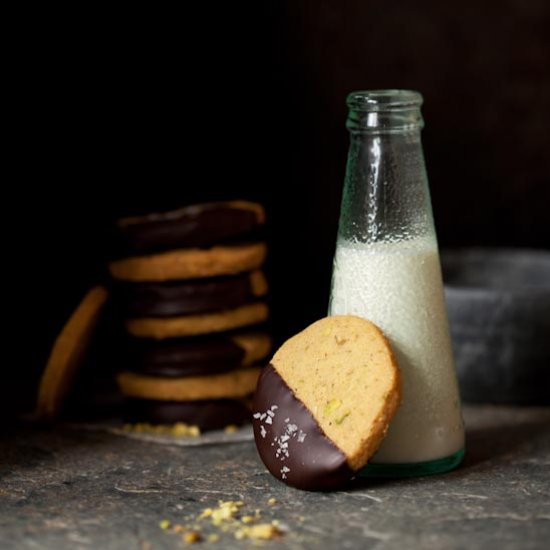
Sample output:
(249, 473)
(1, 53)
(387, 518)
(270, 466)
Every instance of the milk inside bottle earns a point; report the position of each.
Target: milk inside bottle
(386, 269)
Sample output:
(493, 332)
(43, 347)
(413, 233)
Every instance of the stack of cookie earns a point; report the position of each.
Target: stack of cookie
(192, 292)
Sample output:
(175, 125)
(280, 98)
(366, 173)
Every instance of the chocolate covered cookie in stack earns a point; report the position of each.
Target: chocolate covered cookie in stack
(193, 296)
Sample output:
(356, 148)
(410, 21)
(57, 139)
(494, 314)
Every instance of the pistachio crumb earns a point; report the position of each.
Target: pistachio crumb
(263, 531)
(331, 406)
(340, 419)
(213, 537)
(164, 524)
(179, 429)
(192, 537)
(226, 510)
(206, 513)
(272, 501)
(247, 519)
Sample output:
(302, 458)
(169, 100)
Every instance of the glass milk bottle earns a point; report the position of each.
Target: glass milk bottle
(386, 269)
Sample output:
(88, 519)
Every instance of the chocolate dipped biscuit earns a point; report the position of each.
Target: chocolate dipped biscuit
(195, 226)
(180, 357)
(213, 414)
(235, 384)
(324, 404)
(201, 323)
(68, 352)
(171, 298)
(190, 263)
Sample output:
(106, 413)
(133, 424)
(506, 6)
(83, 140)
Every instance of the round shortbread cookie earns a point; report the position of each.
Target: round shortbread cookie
(177, 357)
(191, 325)
(235, 384)
(68, 352)
(187, 297)
(324, 404)
(195, 226)
(191, 263)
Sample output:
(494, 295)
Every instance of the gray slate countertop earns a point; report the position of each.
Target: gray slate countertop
(65, 488)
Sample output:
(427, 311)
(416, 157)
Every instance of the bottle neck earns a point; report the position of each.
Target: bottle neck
(384, 112)
(391, 122)
(386, 196)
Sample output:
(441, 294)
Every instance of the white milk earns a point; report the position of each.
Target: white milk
(398, 286)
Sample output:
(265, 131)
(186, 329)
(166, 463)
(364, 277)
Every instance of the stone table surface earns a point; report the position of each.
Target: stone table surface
(67, 488)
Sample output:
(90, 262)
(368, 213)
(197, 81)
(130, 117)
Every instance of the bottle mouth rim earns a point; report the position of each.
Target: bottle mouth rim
(384, 100)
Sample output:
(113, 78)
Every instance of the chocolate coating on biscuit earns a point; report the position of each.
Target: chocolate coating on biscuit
(196, 226)
(185, 297)
(290, 442)
(214, 414)
(178, 357)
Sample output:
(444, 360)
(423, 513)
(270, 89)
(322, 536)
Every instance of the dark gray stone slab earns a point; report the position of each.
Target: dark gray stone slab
(64, 488)
(498, 302)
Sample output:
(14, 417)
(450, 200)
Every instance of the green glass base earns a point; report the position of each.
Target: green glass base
(414, 470)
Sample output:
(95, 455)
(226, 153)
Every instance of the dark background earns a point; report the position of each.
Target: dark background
(120, 113)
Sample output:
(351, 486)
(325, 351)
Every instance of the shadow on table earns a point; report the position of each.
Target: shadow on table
(28, 445)
(488, 443)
